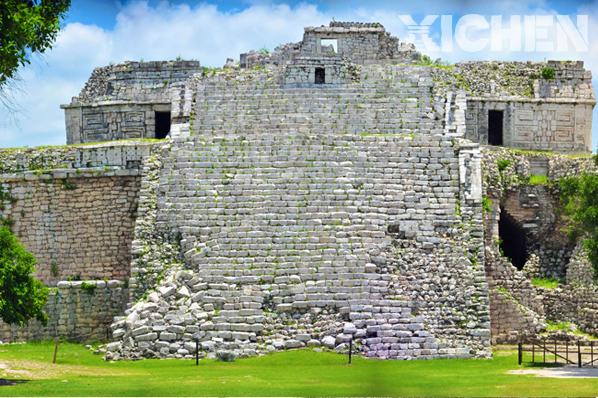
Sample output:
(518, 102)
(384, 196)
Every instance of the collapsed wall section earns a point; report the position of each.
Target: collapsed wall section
(298, 239)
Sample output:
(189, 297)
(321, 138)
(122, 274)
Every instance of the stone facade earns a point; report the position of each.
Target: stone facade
(333, 190)
(537, 113)
(74, 208)
(124, 101)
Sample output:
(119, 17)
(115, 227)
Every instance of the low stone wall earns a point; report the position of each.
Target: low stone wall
(576, 304)
(78, 311)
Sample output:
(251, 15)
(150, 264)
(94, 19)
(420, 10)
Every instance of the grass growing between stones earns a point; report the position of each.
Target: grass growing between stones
(536, 179)
(295, 373)
(546, 283)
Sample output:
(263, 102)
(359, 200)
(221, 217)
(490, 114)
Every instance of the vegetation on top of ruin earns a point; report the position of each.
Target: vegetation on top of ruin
(547, 72)
(579, 195)
(538, 179)
(567, 327)
(547, 153)
(545, 283)
(80, 145)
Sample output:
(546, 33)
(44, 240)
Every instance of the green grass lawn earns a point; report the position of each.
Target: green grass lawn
(296, 373)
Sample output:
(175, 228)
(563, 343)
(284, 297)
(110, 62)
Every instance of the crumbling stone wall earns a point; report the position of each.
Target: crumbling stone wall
(360, 43)
(77, 311)
(517, 307)
(578, 304)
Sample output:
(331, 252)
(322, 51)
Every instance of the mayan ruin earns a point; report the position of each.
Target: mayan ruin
(341, 189)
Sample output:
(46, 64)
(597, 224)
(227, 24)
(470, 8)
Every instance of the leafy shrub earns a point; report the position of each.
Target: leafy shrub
(547, 73)
(22, 297)
(54, 271)
(486, 204)
(502, 164)
(88, 287)
(579, 196)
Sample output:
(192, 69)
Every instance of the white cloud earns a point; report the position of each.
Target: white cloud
(206, 33)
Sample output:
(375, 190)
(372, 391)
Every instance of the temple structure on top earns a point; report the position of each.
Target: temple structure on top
(543, 105)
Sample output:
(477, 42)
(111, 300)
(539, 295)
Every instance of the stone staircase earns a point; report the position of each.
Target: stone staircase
(283, 199)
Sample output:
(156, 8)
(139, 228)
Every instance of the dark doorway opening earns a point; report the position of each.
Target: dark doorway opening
(320, 76)
(162, 124)
(495, 119)
(513, 242)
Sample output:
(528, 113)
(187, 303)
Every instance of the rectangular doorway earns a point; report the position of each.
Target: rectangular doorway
(495, 127)
(162, 124)
(320, 76)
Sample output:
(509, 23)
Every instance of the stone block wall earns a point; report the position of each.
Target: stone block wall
(302, 72)
(74, 208)
(112, 121)
(76, 227)
(297, 238)
(576, 304)
(385, 100)
(538, 113)
(361, 43)
(563, 126)
(120, 101)
(135, 81)
(77, 311)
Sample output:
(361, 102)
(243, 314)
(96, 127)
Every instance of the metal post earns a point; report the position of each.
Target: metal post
(555, 358)
(533, 352)
(55, 350)
(519, 353)
(592, 352)
(196, 352)
(544, 352)
(350, 349)
(566, 352)
(578, 354)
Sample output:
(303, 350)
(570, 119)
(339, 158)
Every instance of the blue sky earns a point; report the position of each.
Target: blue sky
(99, 32)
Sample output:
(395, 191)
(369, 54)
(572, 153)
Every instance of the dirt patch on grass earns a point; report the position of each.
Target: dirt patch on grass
(563, 372)
(22, 369)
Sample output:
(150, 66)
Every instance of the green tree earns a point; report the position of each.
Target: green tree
(22, 297)
(27, 27)
(579, 195)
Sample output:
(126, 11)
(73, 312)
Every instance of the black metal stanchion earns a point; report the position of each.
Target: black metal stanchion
(55, 349)
(519, 353)
(350, 349)
(196, 352)
(578, 354)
